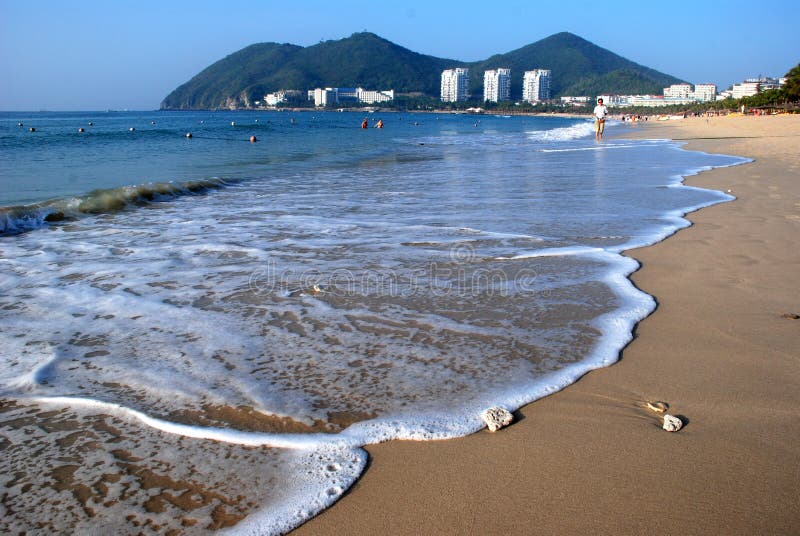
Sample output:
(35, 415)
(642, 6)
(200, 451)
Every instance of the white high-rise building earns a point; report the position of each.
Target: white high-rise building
(455, 85)
(497, 85)
(536, 85)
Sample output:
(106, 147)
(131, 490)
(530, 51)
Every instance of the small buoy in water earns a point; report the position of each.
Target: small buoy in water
(81, 129)
(201, 122)
(253, 139)
(188, 134)
(91, 124)
(233, 123)
(32, 129)
(256, 120)
(132, 129)
(152, 122)
(19, 124)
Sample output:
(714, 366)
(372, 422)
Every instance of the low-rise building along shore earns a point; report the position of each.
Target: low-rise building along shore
(338, 95)
(682, 94)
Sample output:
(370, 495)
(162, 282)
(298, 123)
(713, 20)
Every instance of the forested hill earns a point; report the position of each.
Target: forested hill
(369, 61)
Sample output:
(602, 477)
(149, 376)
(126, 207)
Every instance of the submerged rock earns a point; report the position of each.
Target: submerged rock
(672, 423)
(496, 418)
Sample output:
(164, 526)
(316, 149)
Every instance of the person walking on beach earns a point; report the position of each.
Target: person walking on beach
(600, 113)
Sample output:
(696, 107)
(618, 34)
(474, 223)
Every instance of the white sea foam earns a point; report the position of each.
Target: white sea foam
(579, 130)
(554, 252)
(603, 147)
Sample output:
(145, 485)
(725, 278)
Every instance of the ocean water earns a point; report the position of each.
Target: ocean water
(200, 333)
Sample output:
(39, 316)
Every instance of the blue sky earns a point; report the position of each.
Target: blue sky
(121, 54)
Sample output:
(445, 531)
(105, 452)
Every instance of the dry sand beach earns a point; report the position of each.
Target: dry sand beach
(722, 349)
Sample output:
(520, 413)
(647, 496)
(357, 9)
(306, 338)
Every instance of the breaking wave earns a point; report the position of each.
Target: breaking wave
(23, 218)
(572, 132)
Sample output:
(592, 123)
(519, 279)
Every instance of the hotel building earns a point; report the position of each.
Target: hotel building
(746, 89)
(455, 85)
(702, 92)
(614, 100)
(336, 95)
(371, 97)
(705, 92)
(497, 85)
(678, 91)
(536, 85)
(766, 83)
(284, 95)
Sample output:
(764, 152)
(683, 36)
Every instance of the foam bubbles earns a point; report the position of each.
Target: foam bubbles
(580, 129)
(55, 472)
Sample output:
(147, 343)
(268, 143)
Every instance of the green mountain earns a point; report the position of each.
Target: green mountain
(369, 61)
(363, 59)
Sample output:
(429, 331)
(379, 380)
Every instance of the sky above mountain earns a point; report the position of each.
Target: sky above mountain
(125, 54)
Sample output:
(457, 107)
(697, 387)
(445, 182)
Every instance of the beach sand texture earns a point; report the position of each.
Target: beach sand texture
(722, 349)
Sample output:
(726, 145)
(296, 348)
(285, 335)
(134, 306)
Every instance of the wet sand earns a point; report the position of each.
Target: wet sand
(723, 349)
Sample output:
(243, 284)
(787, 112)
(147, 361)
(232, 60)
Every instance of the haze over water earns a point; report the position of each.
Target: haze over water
(300, 297)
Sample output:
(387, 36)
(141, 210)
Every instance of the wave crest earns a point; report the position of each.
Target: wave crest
(572, 132)
(19, 219)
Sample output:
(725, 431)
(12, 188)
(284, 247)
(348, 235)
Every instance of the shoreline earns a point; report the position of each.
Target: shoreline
(720, 349)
